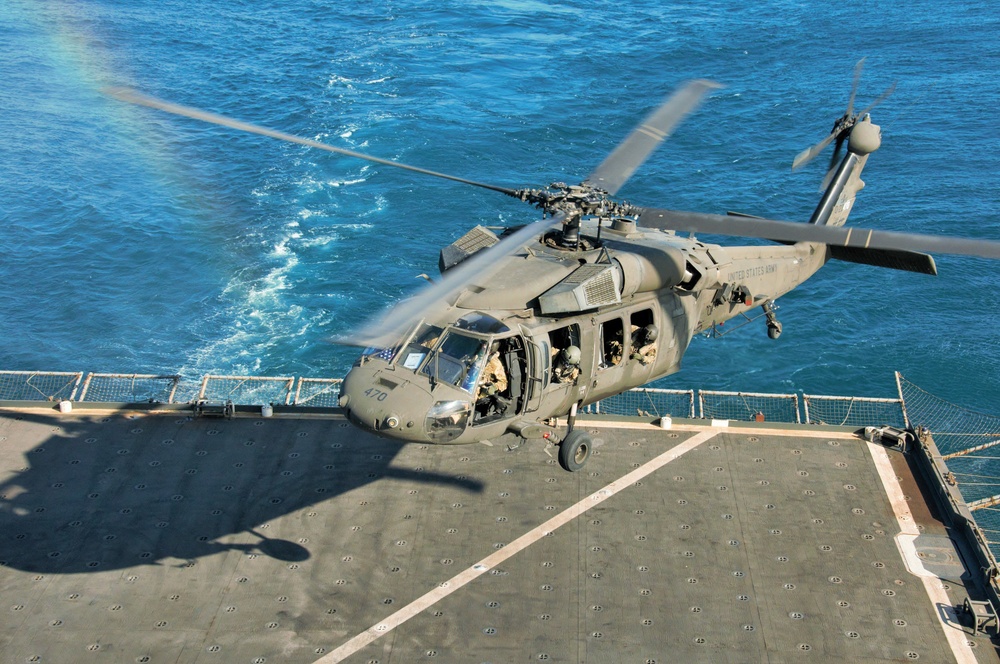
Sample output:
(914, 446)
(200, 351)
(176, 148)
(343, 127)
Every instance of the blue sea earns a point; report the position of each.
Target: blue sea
(134, 241)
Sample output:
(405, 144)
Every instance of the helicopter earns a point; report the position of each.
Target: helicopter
(532, 323)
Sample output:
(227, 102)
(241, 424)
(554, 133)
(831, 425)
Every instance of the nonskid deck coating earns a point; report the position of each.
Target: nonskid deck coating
(160, 538)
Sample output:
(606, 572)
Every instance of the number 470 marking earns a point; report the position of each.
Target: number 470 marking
(376, 394)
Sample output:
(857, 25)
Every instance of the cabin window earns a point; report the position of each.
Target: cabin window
(565, 353)
(644, 336)
(612, 342)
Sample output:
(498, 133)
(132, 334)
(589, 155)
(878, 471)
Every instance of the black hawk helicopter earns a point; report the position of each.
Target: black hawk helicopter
(595, 298)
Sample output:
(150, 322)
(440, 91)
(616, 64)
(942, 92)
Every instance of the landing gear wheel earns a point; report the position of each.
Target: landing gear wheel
(773, 326)
(574, 450)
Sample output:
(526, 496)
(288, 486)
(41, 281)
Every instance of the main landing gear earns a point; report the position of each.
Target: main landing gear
(773, 326)
(574, 446)
(574, 450)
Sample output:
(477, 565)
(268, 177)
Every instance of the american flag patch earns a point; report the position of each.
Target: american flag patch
(381, 353)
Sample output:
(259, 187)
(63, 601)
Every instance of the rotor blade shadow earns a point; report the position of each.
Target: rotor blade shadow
(91, 493)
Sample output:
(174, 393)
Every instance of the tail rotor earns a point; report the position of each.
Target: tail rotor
(841, 131)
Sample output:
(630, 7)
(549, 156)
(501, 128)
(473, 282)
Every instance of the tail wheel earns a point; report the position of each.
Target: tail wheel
(575, 450)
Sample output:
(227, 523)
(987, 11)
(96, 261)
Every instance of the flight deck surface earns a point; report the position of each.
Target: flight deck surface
(131, 537)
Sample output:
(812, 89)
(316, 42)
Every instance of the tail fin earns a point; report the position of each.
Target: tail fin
(837, 203)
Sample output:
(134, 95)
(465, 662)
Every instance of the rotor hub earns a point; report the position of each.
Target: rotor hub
(575, 201)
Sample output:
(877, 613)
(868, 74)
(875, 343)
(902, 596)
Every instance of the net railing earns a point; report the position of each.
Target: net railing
(646, 402)
(95, 388)
(753, 406)
(969, 442)
(317, 392)
(853, 411)
(247, 390)
(39, 385)
(955, 428)
(129, 388)
(748, 406)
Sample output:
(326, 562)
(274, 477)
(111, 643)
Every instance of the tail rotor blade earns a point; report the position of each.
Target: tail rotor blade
(809, 154)
(881, 98)
(831, 170)
(854, 87)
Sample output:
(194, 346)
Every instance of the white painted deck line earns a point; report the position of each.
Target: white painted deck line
(957, 637)
(446, 588)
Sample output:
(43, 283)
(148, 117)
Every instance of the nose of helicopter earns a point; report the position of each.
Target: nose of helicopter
(385, 405)
(400, 405)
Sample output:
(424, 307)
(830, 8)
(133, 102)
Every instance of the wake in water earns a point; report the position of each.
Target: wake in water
(138, 243)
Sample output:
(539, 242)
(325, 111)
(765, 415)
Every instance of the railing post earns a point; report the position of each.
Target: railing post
(902, 401)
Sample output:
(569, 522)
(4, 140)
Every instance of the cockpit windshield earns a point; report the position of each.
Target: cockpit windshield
(457, 361)
(419, 346)
(416, 348)
(451, 357)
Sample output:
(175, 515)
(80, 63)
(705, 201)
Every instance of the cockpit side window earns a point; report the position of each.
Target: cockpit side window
(457, 361)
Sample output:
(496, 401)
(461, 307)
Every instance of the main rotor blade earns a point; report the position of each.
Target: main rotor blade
(618, 166)
(385, 330)
(790, 231)
(133, 97)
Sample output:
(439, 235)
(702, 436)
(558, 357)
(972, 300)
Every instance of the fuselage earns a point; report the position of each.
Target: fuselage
(496, 359)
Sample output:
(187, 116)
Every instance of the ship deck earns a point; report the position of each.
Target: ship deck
(127, 536)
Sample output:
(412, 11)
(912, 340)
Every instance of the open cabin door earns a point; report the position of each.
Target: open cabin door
(502, 387)
(537, 373)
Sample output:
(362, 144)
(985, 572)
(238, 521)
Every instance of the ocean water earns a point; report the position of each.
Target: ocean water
(139, 242)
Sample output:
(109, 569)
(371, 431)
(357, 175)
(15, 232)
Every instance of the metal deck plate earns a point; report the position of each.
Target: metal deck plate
(159, 538)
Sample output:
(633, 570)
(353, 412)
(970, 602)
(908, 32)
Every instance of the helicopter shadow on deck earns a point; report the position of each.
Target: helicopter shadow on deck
(109, 492)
